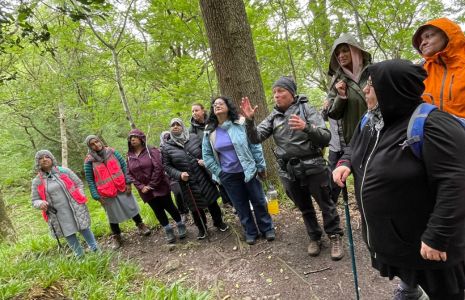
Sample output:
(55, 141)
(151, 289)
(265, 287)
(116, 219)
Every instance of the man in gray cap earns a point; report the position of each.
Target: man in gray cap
(300, 134)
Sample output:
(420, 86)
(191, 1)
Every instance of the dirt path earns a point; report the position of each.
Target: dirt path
(231, 269)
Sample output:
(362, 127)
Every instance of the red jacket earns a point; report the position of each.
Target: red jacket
(445, 84)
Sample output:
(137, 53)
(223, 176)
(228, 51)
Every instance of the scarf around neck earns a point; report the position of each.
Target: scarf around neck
(183, 137)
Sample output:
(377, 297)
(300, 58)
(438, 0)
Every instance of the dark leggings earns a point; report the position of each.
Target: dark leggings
(214, 210)
(162, 203)
(115, 226)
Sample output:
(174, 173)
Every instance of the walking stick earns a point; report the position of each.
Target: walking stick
(198, 212)
(345, 197)
(53, 228)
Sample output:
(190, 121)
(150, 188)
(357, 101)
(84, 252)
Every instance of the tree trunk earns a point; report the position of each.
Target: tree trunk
(64, 138)
(7, 231)
(235, 61)
(122, 93)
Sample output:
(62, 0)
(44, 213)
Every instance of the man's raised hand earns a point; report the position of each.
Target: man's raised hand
(246, 109)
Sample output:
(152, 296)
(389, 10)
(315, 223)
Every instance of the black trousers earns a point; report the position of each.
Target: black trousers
(178, 196)
(215, 212)
(115, 226)
(161, 204)
(333, 158)
(445, 296)
(318, 186)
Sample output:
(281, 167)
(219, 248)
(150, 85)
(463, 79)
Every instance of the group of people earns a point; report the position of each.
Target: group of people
(412, 208)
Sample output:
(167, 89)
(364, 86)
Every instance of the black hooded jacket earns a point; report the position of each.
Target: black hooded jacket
(404, 200)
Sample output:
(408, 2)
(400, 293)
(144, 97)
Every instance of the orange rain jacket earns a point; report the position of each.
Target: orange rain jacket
(445, 84)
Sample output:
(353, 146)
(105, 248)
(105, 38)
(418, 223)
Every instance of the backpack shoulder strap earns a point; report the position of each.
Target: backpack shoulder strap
(415, 128)
(363, 121)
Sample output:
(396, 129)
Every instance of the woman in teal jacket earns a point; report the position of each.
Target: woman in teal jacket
(235, 162)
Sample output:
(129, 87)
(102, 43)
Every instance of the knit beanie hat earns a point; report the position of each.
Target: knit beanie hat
(287, 83)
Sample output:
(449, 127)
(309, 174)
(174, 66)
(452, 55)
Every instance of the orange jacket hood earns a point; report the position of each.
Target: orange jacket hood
(453, 32)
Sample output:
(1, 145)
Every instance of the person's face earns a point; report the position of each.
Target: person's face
(433, 40)
(135, 141)
(45, 163)
(282, 97)
(370, 95)
(344, 58)
(176, 128)
(197, 113)
(95, 145)
(220, 107)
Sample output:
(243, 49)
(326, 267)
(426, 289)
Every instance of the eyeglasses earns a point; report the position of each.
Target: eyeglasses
(215, 104)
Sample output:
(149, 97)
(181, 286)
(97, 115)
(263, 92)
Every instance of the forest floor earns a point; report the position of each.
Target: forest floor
(281, 269)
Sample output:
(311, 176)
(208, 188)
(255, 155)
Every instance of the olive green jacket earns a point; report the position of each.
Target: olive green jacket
(351, 109)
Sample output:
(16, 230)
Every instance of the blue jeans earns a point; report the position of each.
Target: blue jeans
(74, 243)
(241, 193)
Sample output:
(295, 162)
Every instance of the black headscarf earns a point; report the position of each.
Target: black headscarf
(398, 86)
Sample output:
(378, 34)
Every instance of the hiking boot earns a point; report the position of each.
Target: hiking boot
(223, 227)
(270, 235)
(250, 240)
(314, 248)
(143, 229)
(169, 232)
(116, 241)
(182, 230)
(414, 294)
(337, 251)
(202, 234)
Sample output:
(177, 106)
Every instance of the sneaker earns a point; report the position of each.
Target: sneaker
(314, 248)
(250, 240)
(270, 235)
(416, 294)
(202, 234)
(223, 227)
(337, 251)
(143, 229)
(169, 232)
(182, 230)
(116, 241)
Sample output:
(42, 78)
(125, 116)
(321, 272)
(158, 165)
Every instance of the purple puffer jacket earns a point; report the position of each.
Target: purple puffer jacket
(147, 169)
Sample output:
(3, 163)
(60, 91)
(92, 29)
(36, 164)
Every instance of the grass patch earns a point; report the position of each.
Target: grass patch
(34, 263)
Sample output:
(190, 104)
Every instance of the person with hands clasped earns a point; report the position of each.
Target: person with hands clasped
(412, 210)
(146, 172)
(235, 163)
(300, 134)
(108, 182)
(182, 159)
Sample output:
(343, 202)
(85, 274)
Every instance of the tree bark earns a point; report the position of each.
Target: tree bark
(235, 61)
(64, 138)
(7, 231)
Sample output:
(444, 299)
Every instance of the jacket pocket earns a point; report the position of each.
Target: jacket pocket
(386, 238)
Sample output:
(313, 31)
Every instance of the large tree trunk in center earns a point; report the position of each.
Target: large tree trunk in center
(235, 61)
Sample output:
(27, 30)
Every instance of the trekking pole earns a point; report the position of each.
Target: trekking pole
(345, 197)
(198, 212)
(54, 231)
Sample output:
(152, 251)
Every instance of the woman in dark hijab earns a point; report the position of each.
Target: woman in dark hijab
(413, 210)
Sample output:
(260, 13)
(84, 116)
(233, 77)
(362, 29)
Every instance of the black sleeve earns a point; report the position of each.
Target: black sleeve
(444, 159)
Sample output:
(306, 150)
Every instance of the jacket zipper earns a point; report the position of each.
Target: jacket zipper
(441, 94)
(361, 191)
(450, 87)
